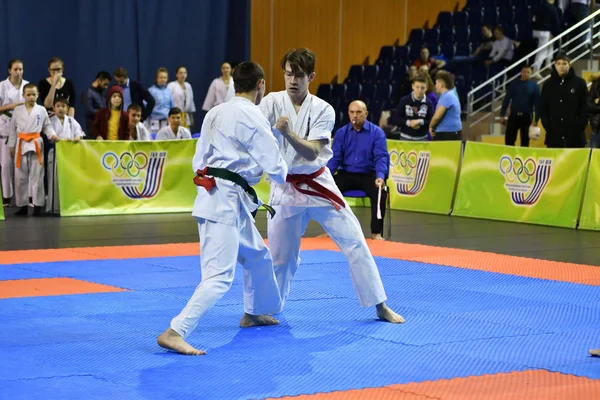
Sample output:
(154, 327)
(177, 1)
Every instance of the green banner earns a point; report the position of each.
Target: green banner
(423, 175)
(119, 177)
(1, 208)
(532, 185)
(590, 213)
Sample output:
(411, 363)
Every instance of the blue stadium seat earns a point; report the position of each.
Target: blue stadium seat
(370, 73)
(434, 50)
(401, 55)
(384, 75)
(463, 70)
(374, 112)
(194, 135)
(352, 91)
(355, 74)
(511, 32)
(447, 35)
(444, 19)
(525, 32)
(338, 91)
(400, 71)
(461, 34)
(415, 52)
(463, 49)
(324, 91)
(383, 92)
(448, 50)
(416, 36)
(431, 36)
(479, 73)
(386, 55)
(490, 16)
(475, 17)
(368, 91)
(507, 17)
(475, 34)
(523, 16)
(459, 18)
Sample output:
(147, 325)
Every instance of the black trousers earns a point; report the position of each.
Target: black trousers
(517, 122)
(366, 182)
(442, 136)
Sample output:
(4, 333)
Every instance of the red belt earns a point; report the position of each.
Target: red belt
(320, 190)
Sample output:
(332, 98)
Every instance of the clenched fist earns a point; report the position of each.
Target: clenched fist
(283, 125)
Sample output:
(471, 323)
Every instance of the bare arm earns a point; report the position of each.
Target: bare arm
(309, 150)
(437, 117)
(9, 107)
(49, 100)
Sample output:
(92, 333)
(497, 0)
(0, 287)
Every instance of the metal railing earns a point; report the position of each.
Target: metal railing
(575, 47)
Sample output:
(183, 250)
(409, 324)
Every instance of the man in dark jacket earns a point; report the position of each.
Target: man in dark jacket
(413, 115)
(563, 106)
(594, 110)
(94, 98)
(134, 93)
(546, 23)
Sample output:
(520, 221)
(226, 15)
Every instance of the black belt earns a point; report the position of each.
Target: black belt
(205, 178)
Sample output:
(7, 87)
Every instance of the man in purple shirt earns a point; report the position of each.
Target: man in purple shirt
(361, 160)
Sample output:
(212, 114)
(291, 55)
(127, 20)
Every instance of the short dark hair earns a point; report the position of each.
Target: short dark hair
(121, 72)
(246, 75)
(177, 110)
(134, 107)
(526, 66)
(178, 68)
(61, 99)
(445, 77)
(421, 78)
(103, 76)
(30, 86)
(499, 28)
(13, 62)
(302, 61)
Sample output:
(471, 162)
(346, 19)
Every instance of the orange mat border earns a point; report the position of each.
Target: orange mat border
(530, 385)
(38, 287)
(469, 259)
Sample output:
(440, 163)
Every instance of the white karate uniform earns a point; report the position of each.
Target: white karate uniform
(166, 133)
(143, 134)
(8, 95)
(69, 129)
(183, 99)
(31, 170)
(218, 93)
(314, 121)
(237, 137)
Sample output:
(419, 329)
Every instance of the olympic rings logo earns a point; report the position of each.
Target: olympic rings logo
(520, 170)
(403, 161)
(127, 163)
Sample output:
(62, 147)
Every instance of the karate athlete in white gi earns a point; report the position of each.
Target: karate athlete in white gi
(27, 123)
(235, 147)
(11, 95)
(174, 130)
(68, 129)
(303, 125)
(137, 130)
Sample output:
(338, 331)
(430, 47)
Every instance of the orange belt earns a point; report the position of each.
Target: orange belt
(28, 137)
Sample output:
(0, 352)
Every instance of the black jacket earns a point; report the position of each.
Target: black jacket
(546, 18)
(563, 110)
(593, 107)
(138, 96)
(410, 109)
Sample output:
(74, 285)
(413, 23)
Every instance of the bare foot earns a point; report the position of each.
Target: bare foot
(377, 236)
(172, 340)
(386, 313)
(595, 353)
(248, 320)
